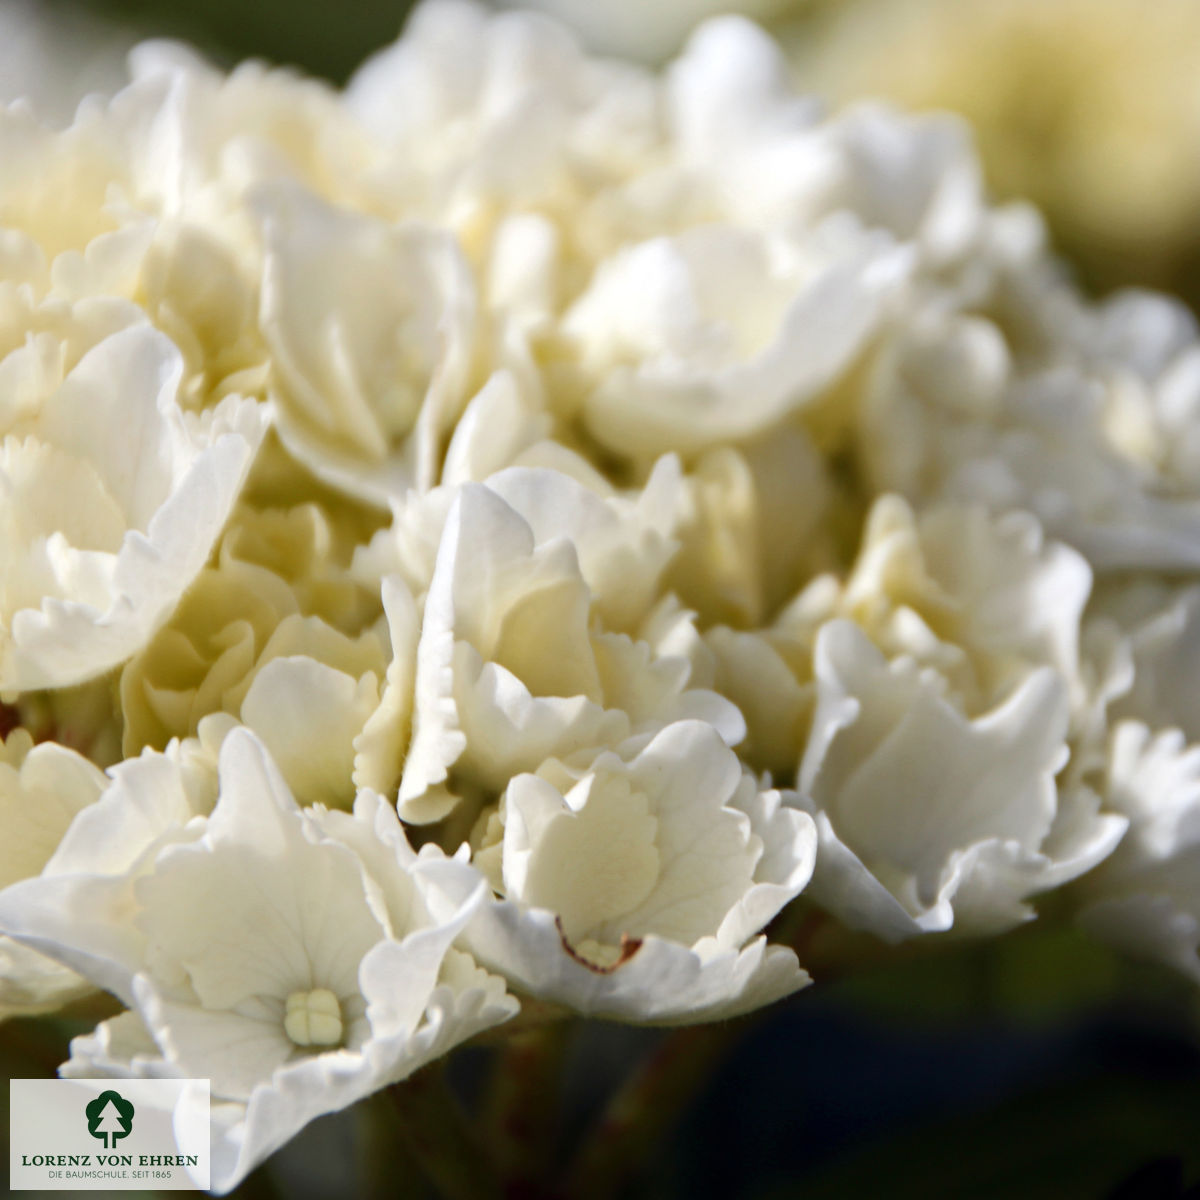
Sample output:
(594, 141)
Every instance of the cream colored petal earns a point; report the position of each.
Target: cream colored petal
(308, 715)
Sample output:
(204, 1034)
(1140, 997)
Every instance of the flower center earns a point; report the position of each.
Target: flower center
(313, 1018)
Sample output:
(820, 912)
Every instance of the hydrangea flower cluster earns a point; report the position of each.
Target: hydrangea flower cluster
(499, 534)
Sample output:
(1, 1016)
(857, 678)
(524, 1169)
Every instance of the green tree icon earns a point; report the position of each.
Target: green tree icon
(109, 1117)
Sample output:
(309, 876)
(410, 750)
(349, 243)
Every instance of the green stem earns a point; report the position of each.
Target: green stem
(434, 1129)
(646, 1108)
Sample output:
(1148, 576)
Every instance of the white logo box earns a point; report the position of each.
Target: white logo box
(108, 1134)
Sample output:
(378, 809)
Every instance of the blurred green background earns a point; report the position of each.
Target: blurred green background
(324, 38)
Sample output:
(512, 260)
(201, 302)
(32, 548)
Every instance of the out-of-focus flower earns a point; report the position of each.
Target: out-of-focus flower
(1146, 899)
(1017, 394)
(1159, 623)
(52, 57)
(1088, 108)
(649, 32)
(486, 115)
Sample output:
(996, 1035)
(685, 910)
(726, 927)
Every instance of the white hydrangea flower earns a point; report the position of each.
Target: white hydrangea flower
(755, 522)
(371, 330)
(980, 599)
(529, 640)
(917, 177)
(993, 586)
(642, 31)
(933, 775)
(1159, 627)
(148, 803)
(94, 215)
(1145, 900)
(930, 818)
(720, 333)
(144, 196)
(1086, 417)
(296, 653)
(199, 285)
(287, 955)
(303, 686)
(487, 114)
(765, 156)
(498, 427)
(221, 135)
(634, 884)
(42, 789)
(768, 675)
(728, 448)
(101, 534)
(53, 60)
(1109, 89)
(52, 200)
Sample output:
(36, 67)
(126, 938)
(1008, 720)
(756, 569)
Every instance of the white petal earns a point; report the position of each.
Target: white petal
(176, 487)
(308, 716)
(915, 802)
(370, 326)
